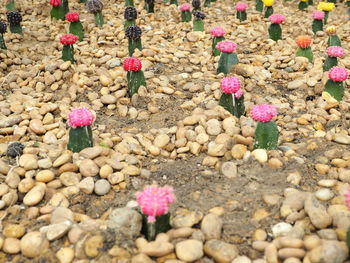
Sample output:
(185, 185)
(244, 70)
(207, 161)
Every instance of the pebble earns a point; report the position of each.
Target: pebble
(93, 245)
(28, 161)
(56, 231)
(158, 248)
(88, 168)
(211, 226)
(65, 254)
(87, 185)
(189, 250)
(317, 213)
(220, 251)
(35, 195)
(324, 194)
(44, 176)
(260, 155)
(229, 169)
(281, 229)
(102, 187)
(13, 230)
(241, 259)
(61, 214)
(125, 222)
(33, 244)
(11, 245)
(186, 218)
(37, 126)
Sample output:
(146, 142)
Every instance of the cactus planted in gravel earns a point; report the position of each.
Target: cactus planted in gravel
(68, 40)
(154, 204)
(326, 7)
(198, 24)
(149, 6)
(333, 39)
(241, 11)
(14, 18)
(303, 4)
(10, 5)
(266, 131)
(129, 2)
(232, 98)
(275, 30)
(57, 9)
(130, 15)
(95, 7)
(186, 15)
(259, 5)
(333, 53)
(317, 23)
(80, 133)
(75, 26)
(269, 9)
(304, 50)
(133, 33)
(335, 83)
(196, 4)
(135, 75)
(3, 29)
(218, 35)
(228, 57)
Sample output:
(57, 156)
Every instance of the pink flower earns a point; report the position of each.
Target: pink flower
(335, 51)
(55, 3)
(240, 6)
(263, 112)
(68, 39)
(72, 17)
(185, 7)
(239, 93)
(318, 15)
(154, 201)
(226, 46)
(347, 196)
(79, 117)
(337, 74)
(217, 31)
(276, 18)
(230, 85)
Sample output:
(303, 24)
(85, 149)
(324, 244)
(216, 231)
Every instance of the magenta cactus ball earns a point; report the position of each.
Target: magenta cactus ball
(226, 46)
(217, 31)
(335, 51)
(79, 117)
(337, 74)
(263, 112)
(276, 18)
(230, 85)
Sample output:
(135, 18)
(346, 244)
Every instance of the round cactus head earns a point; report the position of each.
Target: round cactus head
(230, 85)
(133, 32)
(185, 7)
(3, 27)
(199, 15)
(68, 39)
(217, 31)
(263, 112)
(132, 64)
(94, 6)
(239, 93)
(130, 13)
(55, 3)
(338, 74)
(304, 41)
(72, 17)
(80, 117)
(226, 46)
(335, 51)
(196, 3)
(268, 2)
(276, 18)
(14, 17)
(240, 6)
(326, 6)
(318, 15)
(331, 30)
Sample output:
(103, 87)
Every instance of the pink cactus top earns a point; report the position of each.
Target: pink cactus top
(217, 31)
(68, 39)
(276, 18)
(337, 74)
(263, 112)
(239, 93)
(240, 6)
(55, 3)
(318, 15)
(132, 64)
(154, 201)
(185, 7)
(226, 46)
(72, 17)
(347, 200)
(335, 51)
(230, 85)
(79, 117)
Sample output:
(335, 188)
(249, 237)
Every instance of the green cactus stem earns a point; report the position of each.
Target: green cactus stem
(65, 6)
(129, 2)
(302, 5)
(325, 19)
(83, 1)
(207, 3)
(348, 236)
(275, 32)
(16, 29)
(317, 25)
(335, 89)
(10, 5)
(216, 40)
(305, 52)
(133, 44)
(80, 138)
(174, 2)
(329, 63)
(76, 28)
(2, 42)
(347, 3)
(186, 16)
(128, 23)
(149, 6)
(226, 61)
(230, 103)
(334, 40)
(333, 1)
(266, 135)
(151, 230)
(259, 5)
(268, 11)
(99, 21)
(57, 12)
(136, 79)
(198, 25)
(242, 15)
(68, 53)
(310, 2)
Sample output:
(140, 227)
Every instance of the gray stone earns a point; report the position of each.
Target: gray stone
(125, 222)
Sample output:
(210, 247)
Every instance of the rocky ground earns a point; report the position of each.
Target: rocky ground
(234, 205)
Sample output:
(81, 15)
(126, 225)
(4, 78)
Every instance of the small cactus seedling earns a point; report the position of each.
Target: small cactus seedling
(174, 2)
(14, 18)
(198, 24)
(303, 4)
(75, 26)
(232, 98)
(196, 4)
(133, 33)
(135, 75)
(10, 5)
(275, 30)
(333, 53)
(326, 7)
(333, 39)
(335, 83)
(154, 204)
(149, 6)
(228, 57)
(259, 5)
(304, 50)
(95, 7)
(317, 23)
(186, 15)
(15, 149)
(218, 35)
(241, 11)
(67, 40)
(57, 11)
(80, 133)
(3, 29)
(266, 131)
(269, 9)
(129, 2)
(130, 15)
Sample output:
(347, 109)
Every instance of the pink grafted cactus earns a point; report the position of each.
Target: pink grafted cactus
(79, 117)
(263, 112)
(217, 31)
(335, 51)
(276, 18)
(318, 15)
(240, 6)
(230, 85)
(337, 74)
(154, 201)
(226, 46)
(347, 200)
(185, 7)
(239, 93)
